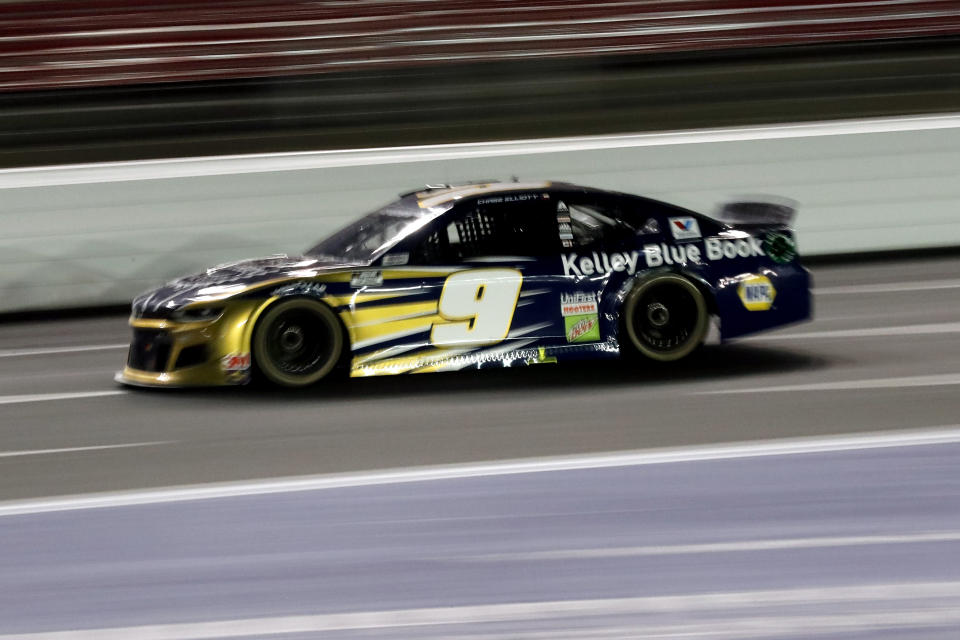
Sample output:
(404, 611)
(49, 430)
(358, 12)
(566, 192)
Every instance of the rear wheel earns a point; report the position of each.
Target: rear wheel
(297, 342)
(665, 317)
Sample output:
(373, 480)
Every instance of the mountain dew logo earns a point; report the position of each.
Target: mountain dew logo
(582, 328)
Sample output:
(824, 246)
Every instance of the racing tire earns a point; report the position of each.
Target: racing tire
(665, 317)
(297, 342)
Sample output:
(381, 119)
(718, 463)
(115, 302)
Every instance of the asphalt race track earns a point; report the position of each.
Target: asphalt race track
(835, 544)
(883, 350)
(856, 537)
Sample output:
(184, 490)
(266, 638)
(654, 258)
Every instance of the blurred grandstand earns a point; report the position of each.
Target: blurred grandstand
(85, 80)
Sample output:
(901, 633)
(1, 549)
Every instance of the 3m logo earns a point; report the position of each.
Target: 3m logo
(685, 228)
(756, 293)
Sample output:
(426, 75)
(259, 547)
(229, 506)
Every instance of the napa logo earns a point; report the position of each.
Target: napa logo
(756, 293)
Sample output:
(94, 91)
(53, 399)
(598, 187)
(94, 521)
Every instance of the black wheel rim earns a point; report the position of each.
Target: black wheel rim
(665, 317)
(299, 342)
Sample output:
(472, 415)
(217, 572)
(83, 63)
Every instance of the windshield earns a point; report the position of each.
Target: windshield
(362, 241)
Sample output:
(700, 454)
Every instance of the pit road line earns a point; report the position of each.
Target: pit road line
(74, 395)
(19, 353)
(872, 332)
(941, 380)
(717, 547)
(98, 447)
(891, 287)
(522, 611)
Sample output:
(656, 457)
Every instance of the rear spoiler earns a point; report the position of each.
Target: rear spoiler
(780, 211)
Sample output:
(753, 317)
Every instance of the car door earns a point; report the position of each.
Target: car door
(495, 258)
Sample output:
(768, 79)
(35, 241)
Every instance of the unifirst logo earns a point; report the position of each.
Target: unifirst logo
(756, 293)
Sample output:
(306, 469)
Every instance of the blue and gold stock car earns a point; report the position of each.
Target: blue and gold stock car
(474, 276)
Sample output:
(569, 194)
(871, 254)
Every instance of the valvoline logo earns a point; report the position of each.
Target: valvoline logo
(685, 228)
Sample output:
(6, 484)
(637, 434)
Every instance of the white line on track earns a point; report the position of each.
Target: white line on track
(871, 332)
(940, 380)
(19, 353)
(864, 607)
(72, 395)
(716, 547)
(98, 447)
(947, 434)
(888, 287)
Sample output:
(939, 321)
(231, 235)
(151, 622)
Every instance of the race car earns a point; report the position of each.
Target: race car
(494, 274)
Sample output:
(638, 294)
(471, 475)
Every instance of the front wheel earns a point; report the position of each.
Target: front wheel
(665, 317)
(297, 342)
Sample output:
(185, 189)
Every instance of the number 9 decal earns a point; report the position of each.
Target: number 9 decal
(479, 305)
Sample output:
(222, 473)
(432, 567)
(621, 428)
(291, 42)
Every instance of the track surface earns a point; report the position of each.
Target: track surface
(869, 326)
(819, 545)
(836, 544)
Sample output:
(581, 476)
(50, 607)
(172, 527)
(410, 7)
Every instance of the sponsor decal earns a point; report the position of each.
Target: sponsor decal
(582, 328)
(541, 357)
(660, 254)
(235, 362)
(580, 320)
(563, 222)
(780, 247)
(513, 197)
(313, 289)
(685, 228)
(599, 263)
(366, 279)
(718, 248)
(394, 259)
(756, 293)
(572, 304)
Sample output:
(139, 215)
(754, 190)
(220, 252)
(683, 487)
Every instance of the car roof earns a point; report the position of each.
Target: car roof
(445, 195)
(436, 199)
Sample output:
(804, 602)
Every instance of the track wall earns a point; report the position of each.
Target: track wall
(83, 235)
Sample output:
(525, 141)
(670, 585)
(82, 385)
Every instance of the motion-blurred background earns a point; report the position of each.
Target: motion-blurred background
(92, 80)
(801, 484)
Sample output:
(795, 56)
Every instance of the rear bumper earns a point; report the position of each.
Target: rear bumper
(792, 301)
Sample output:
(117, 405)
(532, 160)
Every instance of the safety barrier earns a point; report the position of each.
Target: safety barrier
(82, 235)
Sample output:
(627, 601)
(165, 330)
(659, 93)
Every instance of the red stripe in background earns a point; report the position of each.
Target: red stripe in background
(56, 43)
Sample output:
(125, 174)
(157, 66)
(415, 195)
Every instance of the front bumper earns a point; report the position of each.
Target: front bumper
(168, 353)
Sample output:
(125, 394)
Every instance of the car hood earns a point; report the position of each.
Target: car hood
(225, 280)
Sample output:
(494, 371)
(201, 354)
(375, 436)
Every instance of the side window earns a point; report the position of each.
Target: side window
(499, 229)
(592, 225)
(432, 249)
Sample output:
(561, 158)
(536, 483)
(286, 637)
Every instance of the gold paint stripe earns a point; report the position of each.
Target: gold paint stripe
(391, 312)
(340, 276)
(354, 299)
(396, 274)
